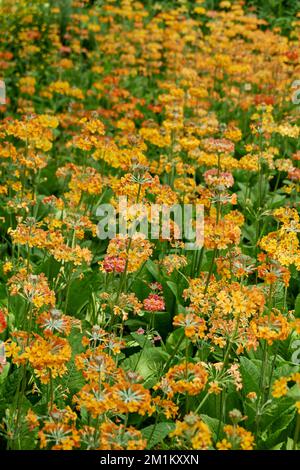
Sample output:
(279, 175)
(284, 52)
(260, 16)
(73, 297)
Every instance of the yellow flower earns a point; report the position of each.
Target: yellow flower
(7, 267)
(224, 445)
(280, 387)
(192, 430)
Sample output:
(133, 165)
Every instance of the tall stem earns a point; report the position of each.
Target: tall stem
(174, 351)
(201, 403)
(297, 431)
(51, 389)
(261, 387)
(210, 270)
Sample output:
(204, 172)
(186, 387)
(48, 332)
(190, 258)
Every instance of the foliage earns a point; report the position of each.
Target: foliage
(137, 342)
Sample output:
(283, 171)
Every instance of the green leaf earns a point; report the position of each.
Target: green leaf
(285, 370)
(297, 306)
(4, 373)
(140, 286)
(3, 292)
(50, 267)
(174, 339)
(75, 340)
(278, 295)
(279, 411)
(79, 293)
(278, 446)
(213, 424)
(282, 414)
(153, 269)
(72, 380)
(17, 307)
(157, 433)
(10, 385)
(289, 444)
(25, 437)
(148, 363)
(249, 233)
(173, 286)
(251, 374)
(142, 340)
(174, 289)
(134, 324)
(276, 200)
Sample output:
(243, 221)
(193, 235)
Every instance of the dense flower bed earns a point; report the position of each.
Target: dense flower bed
(139, 342)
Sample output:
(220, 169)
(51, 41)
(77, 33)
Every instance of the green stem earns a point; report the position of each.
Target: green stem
(231, 339)
(272, 370)
(221, 412)
(196, 262)
(186, 376)
(51, 390)
(261, 387)
(201, 403)
(174, 351)
(210, 270)
(154, 427)
(297, 431)
(141, 352)
(19, 401)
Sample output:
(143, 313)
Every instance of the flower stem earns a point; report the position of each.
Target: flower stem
(297, 431)
(201, 403)
(174, 352)
(210, 270)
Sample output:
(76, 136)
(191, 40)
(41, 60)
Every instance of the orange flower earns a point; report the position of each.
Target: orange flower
(192, 431)
(131, 398)
(184, 378)
(236, 438)
(48, 356)
(194, 326)
(114, 437)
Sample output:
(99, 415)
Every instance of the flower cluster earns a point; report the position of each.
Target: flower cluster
(143, 339)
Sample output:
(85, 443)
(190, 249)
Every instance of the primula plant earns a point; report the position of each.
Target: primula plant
(139, 341)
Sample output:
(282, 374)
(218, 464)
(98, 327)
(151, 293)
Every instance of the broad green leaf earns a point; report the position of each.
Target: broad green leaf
(174, 288)
(79, 293)
(10, 385)
(153, 269)
(251, 375)
(213, 424)
(142, 340)
(290, 444)
(148, 362)
(278, 446)
(278, 426)
(174, 340)
(157, 433)
(276, 416)
(285, 370)
(73, 380)
(278, 295)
